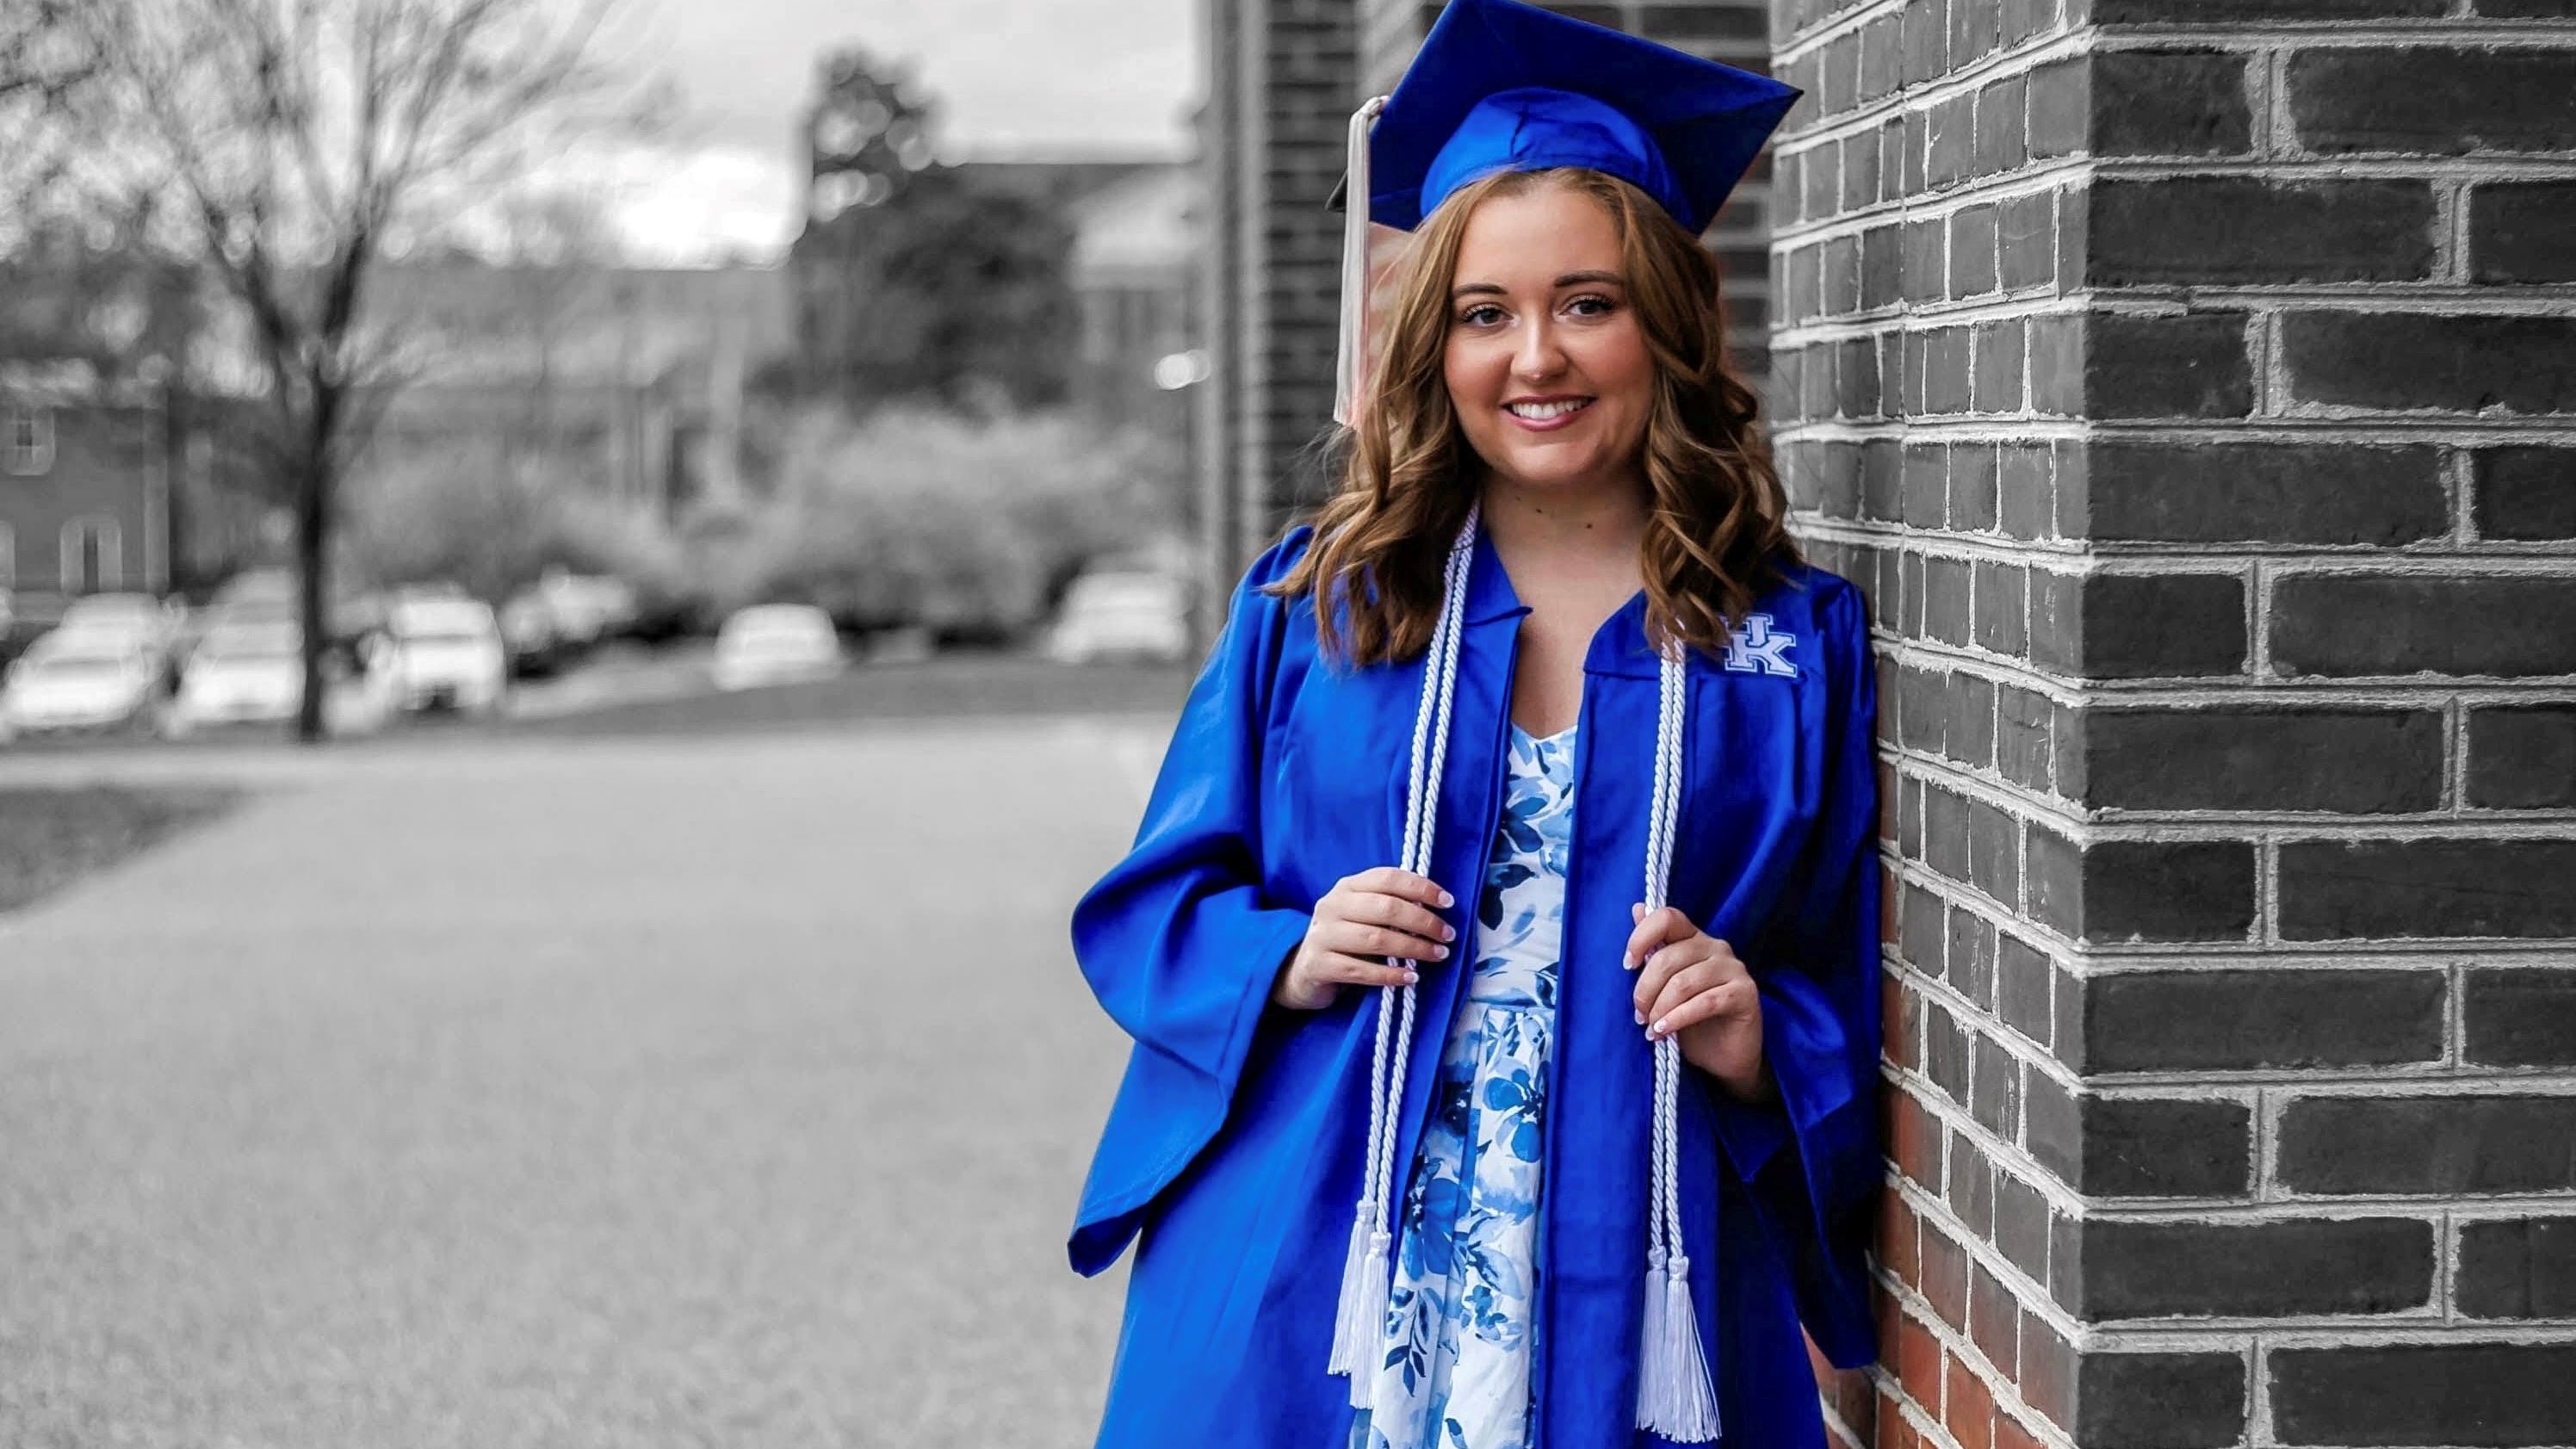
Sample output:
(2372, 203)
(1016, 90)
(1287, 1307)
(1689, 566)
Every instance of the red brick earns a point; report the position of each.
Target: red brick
(1994, 1318)
(1899, 1010)
(1945, 1277)
(1918, 1361)
(1891, 1431)
(1914, 1140)
(2011, 1434)
(2047, 1376)
(1968, 1408)
(1897, 1252)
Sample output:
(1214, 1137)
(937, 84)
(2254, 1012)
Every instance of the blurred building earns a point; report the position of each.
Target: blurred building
(627, 382)
(1134, 251)
(84, 487)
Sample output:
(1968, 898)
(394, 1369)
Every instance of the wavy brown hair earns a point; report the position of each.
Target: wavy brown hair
(1716, 532)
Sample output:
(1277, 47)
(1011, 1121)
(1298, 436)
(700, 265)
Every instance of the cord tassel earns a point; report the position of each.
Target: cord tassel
(1675, 1396)
(1685, 1407)
(1359, 1321)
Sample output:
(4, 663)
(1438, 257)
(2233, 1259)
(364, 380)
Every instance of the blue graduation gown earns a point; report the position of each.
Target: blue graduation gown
(1234, 1147)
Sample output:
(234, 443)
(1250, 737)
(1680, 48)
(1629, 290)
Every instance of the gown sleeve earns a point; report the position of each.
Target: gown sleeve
(1178, 940)
(1812, 1158)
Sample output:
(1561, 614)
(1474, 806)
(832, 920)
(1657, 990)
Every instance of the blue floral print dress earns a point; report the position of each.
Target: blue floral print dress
(1457, 1368)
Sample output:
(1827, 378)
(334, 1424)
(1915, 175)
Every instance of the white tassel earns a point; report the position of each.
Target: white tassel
(1685, 1408)
(1357, 1321)
(1651, 1361)
(1355, 263)
(1675, 1396)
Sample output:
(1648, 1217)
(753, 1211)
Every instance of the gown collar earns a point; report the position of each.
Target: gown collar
(1618, 646)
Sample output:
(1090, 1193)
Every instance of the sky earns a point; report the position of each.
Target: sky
(1012, 77)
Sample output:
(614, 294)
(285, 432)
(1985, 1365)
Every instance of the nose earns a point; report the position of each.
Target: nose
(1539, 357)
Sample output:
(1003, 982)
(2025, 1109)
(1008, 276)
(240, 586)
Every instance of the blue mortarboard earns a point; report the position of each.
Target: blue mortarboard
(1503, 86)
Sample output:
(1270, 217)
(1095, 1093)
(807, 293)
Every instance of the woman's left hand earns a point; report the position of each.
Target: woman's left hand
(1692, 987)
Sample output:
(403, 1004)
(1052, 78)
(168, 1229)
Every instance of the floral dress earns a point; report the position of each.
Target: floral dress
(1457, 1369)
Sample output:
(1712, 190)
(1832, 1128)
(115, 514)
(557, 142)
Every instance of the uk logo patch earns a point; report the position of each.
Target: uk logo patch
(1755, 649)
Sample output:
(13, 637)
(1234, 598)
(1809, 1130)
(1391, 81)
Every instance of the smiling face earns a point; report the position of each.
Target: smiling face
(1546, 364)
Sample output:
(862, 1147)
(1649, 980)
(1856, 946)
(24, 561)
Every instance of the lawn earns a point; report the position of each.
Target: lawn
(50, 838)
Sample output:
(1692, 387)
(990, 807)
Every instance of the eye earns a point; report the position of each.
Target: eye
(1592, 305)
(1483, 314)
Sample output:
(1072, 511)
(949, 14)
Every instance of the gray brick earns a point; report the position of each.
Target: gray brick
(2423, 100)
(2523, 232)
(2142, 890)
(2190, 366)
(2522, 757)
(2403, 360)
(2350, 625)
(2350, 760)
(2160, 1401)
(2276, 493)
(2520, 1016)
(2448, 1145)
(2225, 230)
(2256, 1270)
(2335, 890)
(2129, 1147)
(2526, 495)
(2517, 1268)
(2483, 1394)
(2170, 103)
(2245, 1020)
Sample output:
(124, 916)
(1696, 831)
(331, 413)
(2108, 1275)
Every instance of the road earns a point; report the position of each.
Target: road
(689, 1091)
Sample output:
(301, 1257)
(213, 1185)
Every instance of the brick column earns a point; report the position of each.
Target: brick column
(2195, 387)
(1281, 76)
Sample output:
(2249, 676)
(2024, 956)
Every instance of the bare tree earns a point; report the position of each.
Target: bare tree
(285, 143)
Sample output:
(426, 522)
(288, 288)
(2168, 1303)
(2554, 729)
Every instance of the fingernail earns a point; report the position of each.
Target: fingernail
(1448, 932)
(1641, 1018)
(1657, 1030)
(1447, 900)
(1439, 953)
(1411, 978)
(1629, 960)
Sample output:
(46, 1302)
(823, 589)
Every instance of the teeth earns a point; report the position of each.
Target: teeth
(1541, 412)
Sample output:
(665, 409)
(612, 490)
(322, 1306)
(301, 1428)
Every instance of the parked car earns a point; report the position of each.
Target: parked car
(1122, 615)
(776, 644)
(84, 681)
(449, 653)
(587, 607)
(252, 671)
(534, 645)
(139, 617)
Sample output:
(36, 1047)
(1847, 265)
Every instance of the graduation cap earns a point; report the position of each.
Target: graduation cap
(1503, 86)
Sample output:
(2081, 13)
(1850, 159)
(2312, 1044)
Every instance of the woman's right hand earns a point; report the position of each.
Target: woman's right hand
(1362, 922)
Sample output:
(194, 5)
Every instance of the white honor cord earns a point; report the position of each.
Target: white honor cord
(1355, 263)
(1675, 1397)
(1359, 1326)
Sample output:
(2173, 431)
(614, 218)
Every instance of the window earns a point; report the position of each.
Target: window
(26, 440)
(93, 555)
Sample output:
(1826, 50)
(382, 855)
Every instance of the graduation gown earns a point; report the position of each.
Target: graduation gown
(1234, 1146)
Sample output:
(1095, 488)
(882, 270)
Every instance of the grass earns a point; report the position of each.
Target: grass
(50, 838)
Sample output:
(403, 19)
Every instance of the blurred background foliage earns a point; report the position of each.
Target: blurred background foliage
(969, 527)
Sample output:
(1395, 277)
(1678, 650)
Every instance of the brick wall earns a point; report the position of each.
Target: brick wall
(2194, 385)
(1271, 142)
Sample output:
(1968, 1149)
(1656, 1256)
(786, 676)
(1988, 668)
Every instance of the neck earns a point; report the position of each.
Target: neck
(1585, 529)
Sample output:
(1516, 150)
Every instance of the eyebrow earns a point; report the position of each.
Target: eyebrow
(1570, 279)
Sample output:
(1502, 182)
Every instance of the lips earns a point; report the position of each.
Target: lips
(1543, 413)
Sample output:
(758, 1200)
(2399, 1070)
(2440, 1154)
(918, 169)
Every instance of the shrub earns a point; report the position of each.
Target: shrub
(970, 528)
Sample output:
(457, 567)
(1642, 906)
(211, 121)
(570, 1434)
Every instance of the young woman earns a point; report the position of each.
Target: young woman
(1500, 943)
